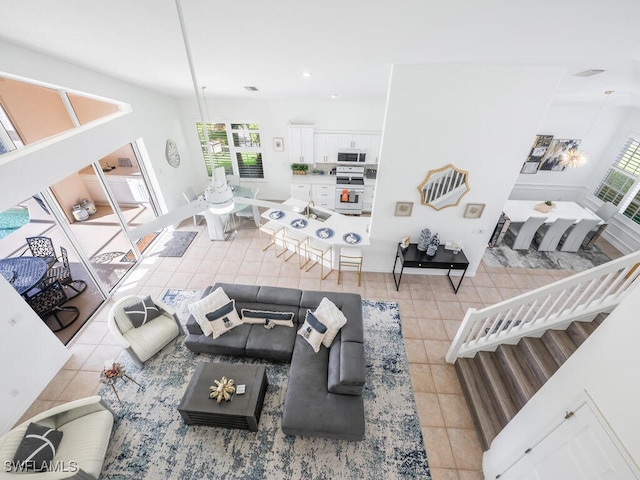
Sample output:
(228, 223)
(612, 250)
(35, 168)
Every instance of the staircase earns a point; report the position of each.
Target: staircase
(505, 352)
(498, 384)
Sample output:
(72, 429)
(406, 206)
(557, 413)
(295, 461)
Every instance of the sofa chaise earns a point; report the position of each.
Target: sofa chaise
(324, 390)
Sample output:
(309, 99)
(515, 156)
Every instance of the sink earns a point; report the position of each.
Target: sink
(318, 215)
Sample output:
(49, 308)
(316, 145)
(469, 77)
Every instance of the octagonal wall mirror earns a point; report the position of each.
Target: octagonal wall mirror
(444, 187)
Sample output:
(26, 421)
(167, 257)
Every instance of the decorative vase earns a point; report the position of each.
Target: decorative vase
(432, 248)
(423, 241)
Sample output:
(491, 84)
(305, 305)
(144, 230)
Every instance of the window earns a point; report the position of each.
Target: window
(621, 184)
(234, 146)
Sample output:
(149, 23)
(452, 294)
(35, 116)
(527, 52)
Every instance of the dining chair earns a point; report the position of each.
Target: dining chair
(249, 212)
(189, 196)
(576, 236)
(49, 301)
(62, 273)
(606, 212)
(524, 232)
(43, 247)
(548, 236)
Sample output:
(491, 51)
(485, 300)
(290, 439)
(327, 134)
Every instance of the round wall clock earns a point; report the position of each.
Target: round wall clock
(171, 152)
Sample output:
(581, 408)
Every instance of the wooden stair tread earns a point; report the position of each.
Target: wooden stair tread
(520, 377)
(474, 389)
(542, 364)
(501, 397)
(559, 344)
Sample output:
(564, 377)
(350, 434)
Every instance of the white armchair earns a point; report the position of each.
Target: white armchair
(143, 342)
(86, 425)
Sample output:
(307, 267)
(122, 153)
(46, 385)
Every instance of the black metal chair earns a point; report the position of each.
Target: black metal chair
(62, 273)
(43, 247)
(48, 303)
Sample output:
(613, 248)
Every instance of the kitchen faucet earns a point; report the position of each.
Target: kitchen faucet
(307, 209)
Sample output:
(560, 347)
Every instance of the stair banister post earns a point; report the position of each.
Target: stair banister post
(461, 335)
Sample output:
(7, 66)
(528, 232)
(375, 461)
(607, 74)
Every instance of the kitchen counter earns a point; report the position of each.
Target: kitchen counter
(342, 225)
(323, 179)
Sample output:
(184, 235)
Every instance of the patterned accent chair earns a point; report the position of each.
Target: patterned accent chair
(143, 342)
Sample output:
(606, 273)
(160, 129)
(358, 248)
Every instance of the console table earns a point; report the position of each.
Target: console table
(411, 257)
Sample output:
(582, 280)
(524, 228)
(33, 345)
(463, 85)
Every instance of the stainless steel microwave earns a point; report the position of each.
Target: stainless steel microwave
(351, 157)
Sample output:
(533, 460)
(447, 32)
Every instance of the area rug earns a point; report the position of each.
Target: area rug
(142, 243)
(150, 440)
(174, 244)
(504, 256)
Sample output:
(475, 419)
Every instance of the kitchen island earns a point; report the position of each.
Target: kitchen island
(327, 226)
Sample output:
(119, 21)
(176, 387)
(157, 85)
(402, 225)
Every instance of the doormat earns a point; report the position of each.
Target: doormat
(174, 244)
(142, 243)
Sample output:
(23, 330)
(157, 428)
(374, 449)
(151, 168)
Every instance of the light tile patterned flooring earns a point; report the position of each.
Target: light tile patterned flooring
(429, 310)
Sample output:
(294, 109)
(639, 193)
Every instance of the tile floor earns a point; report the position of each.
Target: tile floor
(429, 310)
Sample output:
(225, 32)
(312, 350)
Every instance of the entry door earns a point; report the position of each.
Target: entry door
(579, 449)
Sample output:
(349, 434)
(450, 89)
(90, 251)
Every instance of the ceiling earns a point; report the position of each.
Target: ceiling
(347, 45)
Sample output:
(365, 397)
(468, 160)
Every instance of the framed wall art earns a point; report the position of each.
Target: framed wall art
(404, 209)
(558, 146)
(537, 153)
(474, 210)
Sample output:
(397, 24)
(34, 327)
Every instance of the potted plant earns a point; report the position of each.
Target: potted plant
(299, 168)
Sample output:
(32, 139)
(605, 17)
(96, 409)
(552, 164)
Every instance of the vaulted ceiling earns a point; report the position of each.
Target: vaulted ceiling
(348, 46)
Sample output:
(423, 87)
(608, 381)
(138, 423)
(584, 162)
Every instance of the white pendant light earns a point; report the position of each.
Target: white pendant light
(575, 158)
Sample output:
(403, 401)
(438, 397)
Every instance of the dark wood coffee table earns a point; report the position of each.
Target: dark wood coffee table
(242, 411)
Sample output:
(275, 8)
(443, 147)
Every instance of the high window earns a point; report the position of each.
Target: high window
(234, 146)
(621, 183)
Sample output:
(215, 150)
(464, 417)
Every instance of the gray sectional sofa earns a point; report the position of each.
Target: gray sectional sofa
(324, 390)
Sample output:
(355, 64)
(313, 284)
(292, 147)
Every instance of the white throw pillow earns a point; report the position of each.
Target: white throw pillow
(216, 299)
(267, 318)
(224, 319)
(332, 317)
(313, 331)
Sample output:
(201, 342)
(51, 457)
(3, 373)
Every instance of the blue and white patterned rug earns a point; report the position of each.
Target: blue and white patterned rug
(150, 440)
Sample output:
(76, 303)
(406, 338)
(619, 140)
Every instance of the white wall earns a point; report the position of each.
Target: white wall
(274, 118)
(606, 367)
(477, 117)
(30, 354)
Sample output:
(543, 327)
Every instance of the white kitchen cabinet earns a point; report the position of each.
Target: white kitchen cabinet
(367, 198)
(301, 191)
(325, 147)
(127, 190)
(324, 196)
(301, 144)
(373, 152)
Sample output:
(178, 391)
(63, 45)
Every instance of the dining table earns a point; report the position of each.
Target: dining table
(23, 273)
(518, 211)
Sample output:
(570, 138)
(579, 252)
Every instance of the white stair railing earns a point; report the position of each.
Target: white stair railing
(579, 297)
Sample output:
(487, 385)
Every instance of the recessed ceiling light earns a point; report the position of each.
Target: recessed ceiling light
(589, 73)
(306, 74)
(333, 95)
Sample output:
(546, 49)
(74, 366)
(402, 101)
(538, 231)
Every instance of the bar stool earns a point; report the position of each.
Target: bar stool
(273, 231)
(350, 257)
(296, 240)
(316, 252)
